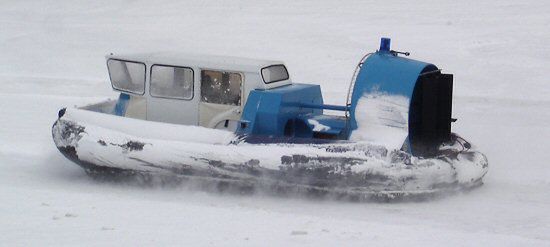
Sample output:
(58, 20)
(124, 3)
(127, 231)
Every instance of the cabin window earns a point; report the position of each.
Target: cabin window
(171, 82)
(127, 76)
(221, 87)
(274, 73)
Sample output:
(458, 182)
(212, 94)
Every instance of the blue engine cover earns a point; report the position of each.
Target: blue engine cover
(268, 112)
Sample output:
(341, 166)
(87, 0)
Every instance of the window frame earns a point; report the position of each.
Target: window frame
(274, 65)
(128, 61)
(173, 66)
(241, 74)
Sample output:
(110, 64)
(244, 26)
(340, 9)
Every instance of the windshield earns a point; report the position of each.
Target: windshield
(274, 73)
(127, 76)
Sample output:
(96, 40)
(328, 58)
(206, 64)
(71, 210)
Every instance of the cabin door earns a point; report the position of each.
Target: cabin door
(220, 99)
(173, 95)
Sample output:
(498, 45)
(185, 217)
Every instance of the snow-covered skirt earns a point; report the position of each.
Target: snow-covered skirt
(98, 142)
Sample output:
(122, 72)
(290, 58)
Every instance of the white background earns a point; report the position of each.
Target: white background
(51, 55)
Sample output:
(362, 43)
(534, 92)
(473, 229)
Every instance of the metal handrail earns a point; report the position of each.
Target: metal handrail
(351, 85)
(324, 107)
(352, 82)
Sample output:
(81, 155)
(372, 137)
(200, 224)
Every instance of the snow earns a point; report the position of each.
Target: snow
(53, 56)
(382, 119)
(317, 126)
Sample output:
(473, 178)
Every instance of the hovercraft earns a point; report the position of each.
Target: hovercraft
(242, 121)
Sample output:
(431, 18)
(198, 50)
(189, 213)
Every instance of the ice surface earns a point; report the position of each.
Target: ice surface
(52, 56)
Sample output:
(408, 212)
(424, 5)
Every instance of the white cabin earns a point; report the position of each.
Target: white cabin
(191, 89)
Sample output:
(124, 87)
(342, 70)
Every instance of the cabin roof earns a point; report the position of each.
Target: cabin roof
(198, 60)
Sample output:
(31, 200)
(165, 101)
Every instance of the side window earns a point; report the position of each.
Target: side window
(127, 76)
(171, 82)
(221, 87)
